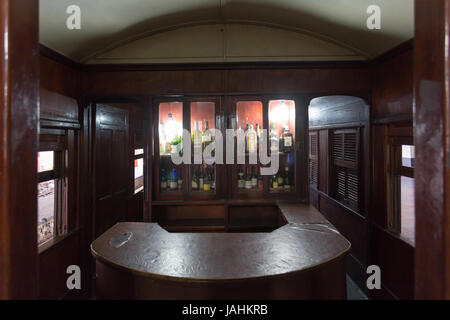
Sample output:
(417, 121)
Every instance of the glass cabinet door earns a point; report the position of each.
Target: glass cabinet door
(170, 133)
(202, 175)
(282, 141)
(249, 118)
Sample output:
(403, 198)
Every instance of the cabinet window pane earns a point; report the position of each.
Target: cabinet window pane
(46, 210)
(45, 161)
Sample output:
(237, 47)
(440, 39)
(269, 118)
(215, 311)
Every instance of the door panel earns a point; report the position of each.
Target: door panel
(111, 167)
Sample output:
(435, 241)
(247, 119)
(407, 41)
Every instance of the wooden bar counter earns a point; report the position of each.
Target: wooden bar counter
(303, 259)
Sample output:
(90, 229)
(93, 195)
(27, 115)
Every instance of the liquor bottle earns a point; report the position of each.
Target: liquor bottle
(260, 180)
(274, 182)
(254, 179)
(241, 182)
(197, 139)
(288, 140)
(287, 184)
(207, 135)
(251, 140)
(207, 181)
(194, 180)
(258, 135)
(248, 179)
(173, 182)
(273, 138)
(163, 180)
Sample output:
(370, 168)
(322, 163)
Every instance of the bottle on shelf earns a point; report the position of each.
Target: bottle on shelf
(173, 182)
(274, 183)
(197, 138)
(252, 143)
(241, 182)
(163, 180)
(194, 180)
(246, 138)
(207, 181)
(287, 140)
(254, 179)
(273, 138)
(280, 181)
(207, 135)
(258, 134)
(201, 179)
(287, 184)
(260, 180)
(248, 179)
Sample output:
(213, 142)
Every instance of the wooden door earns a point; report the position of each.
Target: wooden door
(111, 172)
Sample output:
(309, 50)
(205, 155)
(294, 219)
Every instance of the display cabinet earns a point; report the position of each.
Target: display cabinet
(243, 178)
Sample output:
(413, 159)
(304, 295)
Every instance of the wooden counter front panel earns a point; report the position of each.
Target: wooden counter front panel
(326, 282)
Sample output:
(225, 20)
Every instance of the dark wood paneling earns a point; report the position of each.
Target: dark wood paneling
(53, 264)
(19, 95)
(431, 101)
(351, 225)
(59, 78)
(115, 83)
(393, 85)
(395, 258)
(54, 106)
(379, 170)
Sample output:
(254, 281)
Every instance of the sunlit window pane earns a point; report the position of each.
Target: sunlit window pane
(407, 208)
(45, 161)
(138, 174)
(46, 210)
(408, 156)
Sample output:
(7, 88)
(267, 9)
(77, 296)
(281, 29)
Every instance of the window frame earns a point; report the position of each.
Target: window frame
(58, 144)
(395, 171)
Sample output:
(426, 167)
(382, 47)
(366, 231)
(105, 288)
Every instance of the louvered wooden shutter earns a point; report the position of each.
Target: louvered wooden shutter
(345, 156)
(313, 158)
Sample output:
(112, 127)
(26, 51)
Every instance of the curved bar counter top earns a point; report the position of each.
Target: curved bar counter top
(303, 259)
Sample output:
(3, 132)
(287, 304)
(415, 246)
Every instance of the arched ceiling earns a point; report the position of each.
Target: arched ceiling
(337, 26)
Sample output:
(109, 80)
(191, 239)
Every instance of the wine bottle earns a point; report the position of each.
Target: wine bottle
(194, 180)
(180, 182)
(280, 181)
(201, 179)
(207, 135)
(260, 180)
(213, 178)
(274, 182)
(254, 179)
(207, 181)
(197, 139)
(241, 182)
(248, 179)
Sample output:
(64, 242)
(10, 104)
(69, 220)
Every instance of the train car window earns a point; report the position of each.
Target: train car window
(52, 189)
(138, 170)
(401, 212)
